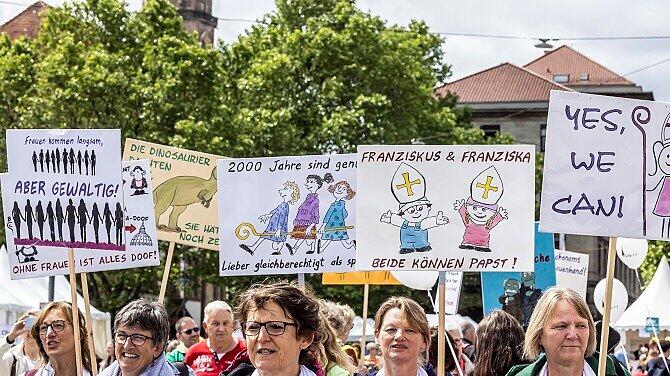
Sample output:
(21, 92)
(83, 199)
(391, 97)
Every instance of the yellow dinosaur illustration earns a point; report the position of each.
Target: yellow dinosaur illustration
(180, 192)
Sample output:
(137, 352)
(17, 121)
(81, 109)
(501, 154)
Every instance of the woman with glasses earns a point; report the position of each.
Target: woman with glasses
(401, 328)
(141, 331)
(279, 323)
(54, 333)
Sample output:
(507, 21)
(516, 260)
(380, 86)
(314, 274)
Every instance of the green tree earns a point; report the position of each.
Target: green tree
(657, 249)
(314, 76)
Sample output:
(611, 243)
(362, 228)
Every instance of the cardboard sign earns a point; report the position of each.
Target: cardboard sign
(606, 167)
(359, 278)
(57, 178)
(452, 292)
(184, 196)
(517, 293)
(572, 270)
(448, 208)
(283, 215)
(138, 232)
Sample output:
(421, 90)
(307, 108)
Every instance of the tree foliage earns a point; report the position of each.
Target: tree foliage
(657, 249)
(315, 76)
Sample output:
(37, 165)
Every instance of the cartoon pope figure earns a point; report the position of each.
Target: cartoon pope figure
(480, 212)
(409, 189)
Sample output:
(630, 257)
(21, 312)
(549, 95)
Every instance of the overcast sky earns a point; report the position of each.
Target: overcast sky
(523, 18)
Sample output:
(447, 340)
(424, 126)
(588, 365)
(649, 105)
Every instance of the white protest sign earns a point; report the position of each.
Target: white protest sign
(283, 215)
(606, 167)
(41, 260)
(452, 294)
(572, 270)
(446, 207)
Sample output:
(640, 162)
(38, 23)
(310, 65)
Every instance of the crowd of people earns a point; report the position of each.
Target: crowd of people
(287, 331)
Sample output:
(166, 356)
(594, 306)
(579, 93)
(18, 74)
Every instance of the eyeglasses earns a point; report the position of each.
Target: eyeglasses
(192, 330)
(274, 328)
(135, 339)
(56, 326)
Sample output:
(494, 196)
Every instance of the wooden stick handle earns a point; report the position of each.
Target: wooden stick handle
(604, 335)
(301, 281)
(89, 323)
(166, 273)
(75, 310)
(366, 293)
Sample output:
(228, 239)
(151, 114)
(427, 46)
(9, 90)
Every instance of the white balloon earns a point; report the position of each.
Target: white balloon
(632, 252)
(418, 280)
(619, 298)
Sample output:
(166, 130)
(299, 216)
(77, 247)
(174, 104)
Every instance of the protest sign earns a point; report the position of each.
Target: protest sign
(58, 179)
(446, 207)
(606, 167)
(452, 292)
(282, 215)
(572, 270)
(517, 293)
(185, 203)
(359, 278)
(141, 247)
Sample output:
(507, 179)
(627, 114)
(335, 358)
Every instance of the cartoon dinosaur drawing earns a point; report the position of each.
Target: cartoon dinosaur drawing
(180, 192)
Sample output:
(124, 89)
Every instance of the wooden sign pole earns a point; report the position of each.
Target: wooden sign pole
(301, 281)
(166, 273)
(89, 323)
(75, 310)
(607, 306)
(440, 322)
(366, 293)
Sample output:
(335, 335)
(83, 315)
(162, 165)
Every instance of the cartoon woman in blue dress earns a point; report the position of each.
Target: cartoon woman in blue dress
(334, 226)
(277, 220)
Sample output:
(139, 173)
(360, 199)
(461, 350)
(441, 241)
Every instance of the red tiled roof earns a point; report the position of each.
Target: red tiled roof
(503, 83)
(565, 60)
(25, 23)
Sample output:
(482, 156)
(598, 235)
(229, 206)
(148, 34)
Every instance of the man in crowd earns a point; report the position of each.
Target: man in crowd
(188, 334)
(657, 366)
(463, 361)
(469, 339)
(211, 357)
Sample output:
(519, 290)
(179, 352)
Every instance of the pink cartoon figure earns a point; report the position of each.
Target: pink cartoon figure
(480, 212)
(662, 163)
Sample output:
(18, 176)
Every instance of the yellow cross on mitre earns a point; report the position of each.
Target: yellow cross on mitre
(408, 184)
(487, 187)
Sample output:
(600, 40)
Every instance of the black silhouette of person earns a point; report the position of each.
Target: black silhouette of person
(29, 219)
(35, 160)
(92, 162)
(39, 213)
(48, 160)
(95, 218)
(58, 160)
(41, 160)
(83, 217)
(64, 160)
(86, 160)
(60, 219)
(71, 216)
(118, 219)
(53, 161)
(16, 215)
(79, 160)
(71, 161)
(50, 219)
(107, 214)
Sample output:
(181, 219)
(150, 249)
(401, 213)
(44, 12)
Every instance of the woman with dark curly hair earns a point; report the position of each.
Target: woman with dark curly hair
(500, 338)
(279, 323)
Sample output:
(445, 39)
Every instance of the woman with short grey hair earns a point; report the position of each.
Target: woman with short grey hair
(141, 331)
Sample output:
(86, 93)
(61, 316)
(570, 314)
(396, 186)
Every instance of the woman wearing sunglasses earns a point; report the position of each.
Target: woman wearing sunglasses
(141, 331)
(279, 323)
(54, 334)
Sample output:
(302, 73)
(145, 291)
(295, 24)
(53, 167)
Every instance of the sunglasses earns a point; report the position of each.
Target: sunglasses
(195, 330)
